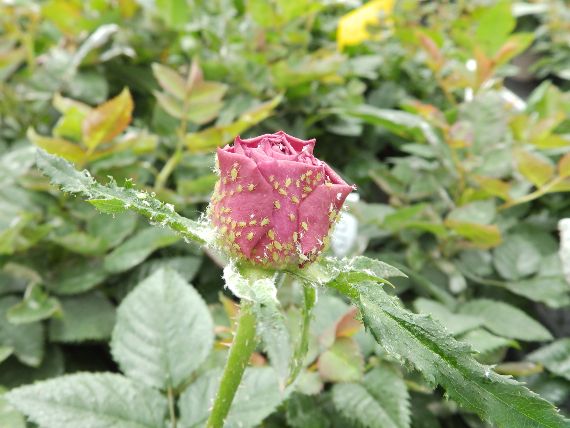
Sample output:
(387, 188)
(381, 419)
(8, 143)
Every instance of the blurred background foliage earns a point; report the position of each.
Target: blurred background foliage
(451, 117)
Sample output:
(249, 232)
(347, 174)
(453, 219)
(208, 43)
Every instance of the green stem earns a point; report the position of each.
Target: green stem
(171, 408)
(240, 352)
(303, 345)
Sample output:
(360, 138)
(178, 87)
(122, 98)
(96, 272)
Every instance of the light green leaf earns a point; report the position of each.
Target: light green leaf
(77, 276)
(305, 411)
(137, 248)
(484, 342)
(420, 341)
(516, 258)
(90, 400)
(342, 362)
(14, 374)
(36, 306)
(175, 13)
(536, 169)
(170, 80)
(57, 146)
(494, 25)
(9, 417)
(64, 175)
(455, 323)
(85, 317)
(550, 290)
(257, 397)
(506, 320)
(555, 357)
(164, 331)
(27, 340)
(381, 400)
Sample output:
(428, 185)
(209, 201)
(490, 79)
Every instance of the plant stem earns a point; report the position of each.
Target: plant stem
(303, 345)
(240, 352)
(171, 408)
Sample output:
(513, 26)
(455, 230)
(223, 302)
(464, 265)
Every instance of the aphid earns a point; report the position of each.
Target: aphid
(277, 205)
(264, 222)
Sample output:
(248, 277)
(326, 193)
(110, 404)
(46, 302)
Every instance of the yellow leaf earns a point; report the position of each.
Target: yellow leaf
(481, 235)
(57, 146)
(494, 186)
(564, 166)
(108, 120)
(535, 169)
(353, 28)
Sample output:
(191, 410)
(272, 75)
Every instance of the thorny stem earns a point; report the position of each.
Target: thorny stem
(171, 409)
(240, 352)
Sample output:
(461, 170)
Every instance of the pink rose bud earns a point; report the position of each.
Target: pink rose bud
(275, 202)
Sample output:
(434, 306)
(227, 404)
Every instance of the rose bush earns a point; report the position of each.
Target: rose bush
(275, 202)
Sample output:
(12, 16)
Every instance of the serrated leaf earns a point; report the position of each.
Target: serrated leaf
(108, 120)
(63, 174)
(304, 411)
(257, 397)
(165, 320)
(455, 323)
(86, 317)
(27, 340)
(90, 400)
(342, 362)
(381, 400)
(506, 320)
(137, 248)
(555, 357)
(442, 360)
(259, 287)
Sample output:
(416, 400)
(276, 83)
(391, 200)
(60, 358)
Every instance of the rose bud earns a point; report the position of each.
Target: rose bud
(275, 202)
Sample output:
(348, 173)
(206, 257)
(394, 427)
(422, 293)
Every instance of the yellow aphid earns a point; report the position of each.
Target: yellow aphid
(232, 237)
(271, 234)
(298, 183)
(228, 220)
(282, 191)
(242, 224)
(271, 178)
(251, 187)
(287, 182)
(295, 235)
(238, 233)
(307, 189)
(276, 185)
(239, 188)
(309, 173)
(275, 256)
(295, 199)
(250, 236)
(264, 222)
(332, 215)
(303, 176)
(236, 246)
(305, 226)
(234, 172)
(319, 176)
(253, 222)
(224, 229)
(234, 224)
(291, 216)
(278, 245)
(277, 205)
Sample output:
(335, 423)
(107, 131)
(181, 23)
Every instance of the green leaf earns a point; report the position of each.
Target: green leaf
(516, 258)
(506, 320)
(217, 136)
(175, 13)
(170, 80)
(484, 342)
(86, 317)
(27, 340)
(63, 174)
(5, 352)
(381, 400)
(342, 362)
(90, 400)
(258, 286)
(419, 340)
(257, 397)
(9, 417)
(455, 323)
(483, 235)
(14, 374)
(108, 120)
(165, 320)
(305, 411)
(555, 357)
(494, 25)
(36, 306)
(137, 248)
(551, 290)
(77, 275)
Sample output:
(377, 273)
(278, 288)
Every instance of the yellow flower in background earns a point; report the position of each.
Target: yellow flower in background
(353, 28)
